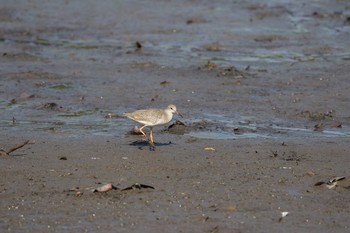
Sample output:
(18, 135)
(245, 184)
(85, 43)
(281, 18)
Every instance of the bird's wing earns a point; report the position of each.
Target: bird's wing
(146, 115)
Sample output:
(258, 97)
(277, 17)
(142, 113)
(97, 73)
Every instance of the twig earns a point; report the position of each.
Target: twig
(16, 147)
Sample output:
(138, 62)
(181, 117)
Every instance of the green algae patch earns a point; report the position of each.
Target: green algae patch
(60, 86)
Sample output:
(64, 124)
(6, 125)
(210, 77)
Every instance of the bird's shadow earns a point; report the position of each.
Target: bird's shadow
(141, 144)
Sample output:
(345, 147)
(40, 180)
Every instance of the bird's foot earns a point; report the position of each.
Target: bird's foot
(152, 147)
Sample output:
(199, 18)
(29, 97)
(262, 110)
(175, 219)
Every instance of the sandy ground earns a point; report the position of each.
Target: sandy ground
(263, 87)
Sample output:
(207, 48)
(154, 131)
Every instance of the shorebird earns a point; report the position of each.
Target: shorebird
(152, 117)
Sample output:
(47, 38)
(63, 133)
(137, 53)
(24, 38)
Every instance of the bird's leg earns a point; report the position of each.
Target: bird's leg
(143, 132)
(151, 137)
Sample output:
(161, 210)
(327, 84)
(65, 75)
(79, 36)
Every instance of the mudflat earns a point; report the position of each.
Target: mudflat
(263, 88)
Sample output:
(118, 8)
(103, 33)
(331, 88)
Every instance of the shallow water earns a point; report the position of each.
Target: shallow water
(220, 128)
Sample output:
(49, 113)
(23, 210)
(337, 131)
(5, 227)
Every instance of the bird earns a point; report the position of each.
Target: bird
(152, 117)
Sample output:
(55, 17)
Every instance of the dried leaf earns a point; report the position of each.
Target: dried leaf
(231, 207)
(164, 82)
(310, 173)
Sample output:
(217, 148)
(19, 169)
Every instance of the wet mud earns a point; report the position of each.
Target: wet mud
(263, 88)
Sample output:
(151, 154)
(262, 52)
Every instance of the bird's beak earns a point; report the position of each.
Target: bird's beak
(179, 114)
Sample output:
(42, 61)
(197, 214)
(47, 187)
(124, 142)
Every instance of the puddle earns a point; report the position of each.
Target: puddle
(220, 135)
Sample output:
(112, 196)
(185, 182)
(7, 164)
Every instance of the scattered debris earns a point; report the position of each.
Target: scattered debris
(335, 179)
(337, 125)
(283, 215)
(50, 106)
(231, 207)
(347, 20)
(196, 20)
(332, 15)
(155, 98)
(293, 156)
(60, 86)
(229, 71)
(138, 186)
(164, 82)
(177, 122)
(214, 230)
(105, 188)
(243, 130)
(340, 181)
(317, 116)
(269, 38)
(108, 187)
(78, 194)
(16, 147)
(138, 46)
(210, 65)
(310, 173)
(274, 153)
(204, 124)
(319, 127)
(113, 115)
(232, 72)
(142, 65)
(214, 47)
(208, 148)
(178, 128)
(25, 96)
(191, 140)
(13, 101)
